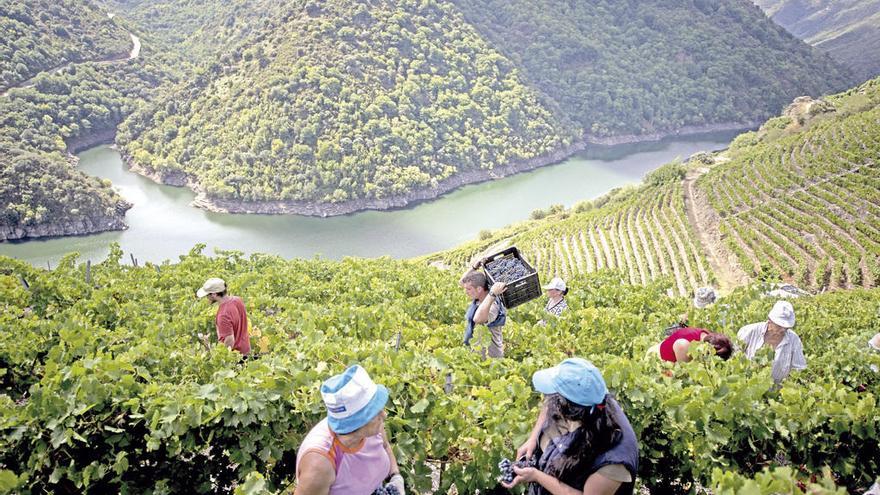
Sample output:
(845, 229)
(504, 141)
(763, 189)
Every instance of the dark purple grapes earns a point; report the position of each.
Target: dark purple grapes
(386, 490)
(507, 473)
(506, 468)
(507, 269)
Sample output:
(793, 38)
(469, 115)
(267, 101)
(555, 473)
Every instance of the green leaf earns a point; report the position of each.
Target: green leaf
(420, 406)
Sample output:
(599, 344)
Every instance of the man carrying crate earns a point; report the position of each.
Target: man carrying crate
(486, 308)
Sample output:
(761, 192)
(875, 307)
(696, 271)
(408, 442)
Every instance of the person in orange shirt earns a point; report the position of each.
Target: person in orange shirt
(231, 319)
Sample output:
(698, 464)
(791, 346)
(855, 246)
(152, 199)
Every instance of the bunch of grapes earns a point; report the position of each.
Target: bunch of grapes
(507, 473)
(507, 269)
(506, 467)
(386, 490)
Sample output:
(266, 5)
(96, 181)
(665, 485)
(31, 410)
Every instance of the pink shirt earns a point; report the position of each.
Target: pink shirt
(359, 471)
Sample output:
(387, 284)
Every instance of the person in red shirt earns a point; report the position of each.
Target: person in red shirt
(675, 347)
(231, 320)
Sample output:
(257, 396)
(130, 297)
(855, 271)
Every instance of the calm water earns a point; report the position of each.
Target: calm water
(162, 225)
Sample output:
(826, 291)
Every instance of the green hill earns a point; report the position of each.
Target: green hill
(654, 66)
(106, 388)
(40, 35)
(63, 110)
(335, 106)
(796, 200)
(347, 102)
(848, 30)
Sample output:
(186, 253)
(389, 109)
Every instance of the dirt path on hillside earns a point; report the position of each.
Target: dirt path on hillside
(706, 222)
(133, 54)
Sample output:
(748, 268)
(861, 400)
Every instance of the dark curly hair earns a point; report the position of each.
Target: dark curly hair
(599, 431)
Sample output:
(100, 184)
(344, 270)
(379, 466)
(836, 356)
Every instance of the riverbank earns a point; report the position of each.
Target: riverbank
(412, 198)
(84, 224)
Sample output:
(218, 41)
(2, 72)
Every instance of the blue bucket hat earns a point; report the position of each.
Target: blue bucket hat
(352, 399)
(575, 379)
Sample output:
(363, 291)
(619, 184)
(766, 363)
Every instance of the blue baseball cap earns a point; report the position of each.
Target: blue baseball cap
(352, 399)
(575, 379)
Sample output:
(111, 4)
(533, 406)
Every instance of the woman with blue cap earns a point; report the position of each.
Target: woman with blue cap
(582, 443)
(348, 453)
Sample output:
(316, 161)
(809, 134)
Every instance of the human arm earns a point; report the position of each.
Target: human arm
(474, 266)
(484, 310)
(528, 448)
(798, 361)
(680, 348)
(226, 318)
(394, 471)
(315, 475)
(596, 484)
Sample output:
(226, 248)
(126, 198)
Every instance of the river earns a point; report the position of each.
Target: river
(162, 225)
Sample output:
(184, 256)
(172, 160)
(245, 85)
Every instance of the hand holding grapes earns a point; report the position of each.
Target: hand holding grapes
(523, 475)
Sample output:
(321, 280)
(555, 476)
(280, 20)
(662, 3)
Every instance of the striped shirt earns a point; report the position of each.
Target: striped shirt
(789, 353)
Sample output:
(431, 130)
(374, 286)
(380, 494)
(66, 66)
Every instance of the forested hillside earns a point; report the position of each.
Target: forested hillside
(334, 106)
(62, 110)
(624, 67)
(347, 101)
(848, 30)
(797, 201)
(39, 35)
(106, 387)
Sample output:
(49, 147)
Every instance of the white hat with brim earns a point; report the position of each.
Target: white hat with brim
(782, 314)
(557, 284)
(352, 400)
(211, 286)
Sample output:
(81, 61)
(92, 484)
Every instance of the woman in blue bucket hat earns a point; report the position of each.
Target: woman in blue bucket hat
(582, 441)
(348, 453)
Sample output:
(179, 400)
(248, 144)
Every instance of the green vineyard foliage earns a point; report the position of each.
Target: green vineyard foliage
(106, 387)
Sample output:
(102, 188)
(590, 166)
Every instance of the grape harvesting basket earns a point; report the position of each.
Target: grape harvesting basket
(521, 290)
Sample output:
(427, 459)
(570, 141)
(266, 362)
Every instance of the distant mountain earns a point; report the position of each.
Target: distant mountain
(331, 106)
(617, 67)
(848, 30)
(39, 35)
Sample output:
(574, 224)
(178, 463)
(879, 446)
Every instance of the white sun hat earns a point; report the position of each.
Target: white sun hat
(211, 286)
(782, 314)
(557, 283)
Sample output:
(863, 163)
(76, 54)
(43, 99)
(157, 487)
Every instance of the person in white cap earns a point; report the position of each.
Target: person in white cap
(231, 320)
(582, 441)
(556, 292)
(777, 334)
(348, 453)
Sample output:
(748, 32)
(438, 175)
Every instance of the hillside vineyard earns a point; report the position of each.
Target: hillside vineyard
(106, 387)
(796, 200)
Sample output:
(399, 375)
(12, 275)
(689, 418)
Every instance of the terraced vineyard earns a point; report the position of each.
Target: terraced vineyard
(806, 205)
(642, 232)
(796, 201)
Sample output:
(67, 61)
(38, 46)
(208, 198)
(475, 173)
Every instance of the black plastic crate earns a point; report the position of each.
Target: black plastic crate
(518, 291)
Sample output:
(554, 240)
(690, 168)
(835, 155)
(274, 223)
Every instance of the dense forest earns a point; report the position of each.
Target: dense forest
(339, 101)
(347, 101)
(43, 34)
(637, 67)
(61, 110)
(848, 30)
